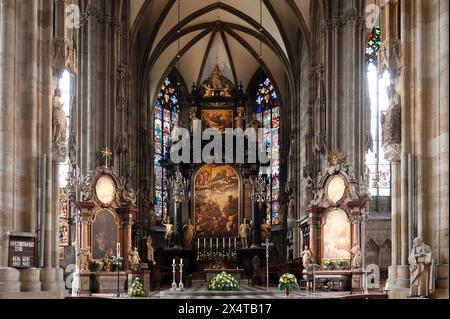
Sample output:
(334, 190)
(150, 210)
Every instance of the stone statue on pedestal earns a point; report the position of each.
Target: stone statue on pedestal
(240, 120)
(307, 258)
(85, 256)
(355, 257)
(421, 269)
(59, 119)
(134, 259)
(244, 229)
(59, 124)
(188, 234)
(264, 231)
(169, 233)
(150, 250)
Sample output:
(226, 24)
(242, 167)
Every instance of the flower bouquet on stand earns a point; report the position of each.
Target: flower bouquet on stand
(224, 282)
(288, 282)
(116, 263)
(137, 288)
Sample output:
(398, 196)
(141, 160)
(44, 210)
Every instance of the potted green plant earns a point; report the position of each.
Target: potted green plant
(288, 282)
(327, 263)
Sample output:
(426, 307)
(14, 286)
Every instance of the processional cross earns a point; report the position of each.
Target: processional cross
(267, 244)
(107, 155)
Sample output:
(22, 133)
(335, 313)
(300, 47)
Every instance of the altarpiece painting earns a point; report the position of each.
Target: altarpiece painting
(216, 201)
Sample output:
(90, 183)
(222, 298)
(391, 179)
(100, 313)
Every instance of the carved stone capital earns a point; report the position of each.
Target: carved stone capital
(392, 152)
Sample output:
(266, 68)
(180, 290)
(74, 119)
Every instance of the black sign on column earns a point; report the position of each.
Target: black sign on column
(22, 250)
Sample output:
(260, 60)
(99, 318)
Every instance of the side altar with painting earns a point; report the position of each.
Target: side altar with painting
(336, 223)
(104, 254)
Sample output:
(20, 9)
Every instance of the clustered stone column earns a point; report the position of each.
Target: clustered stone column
(344, 31)
(26, 140)
(417, 118)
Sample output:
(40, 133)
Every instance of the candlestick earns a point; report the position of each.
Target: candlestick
(180, 285)
(174, 283)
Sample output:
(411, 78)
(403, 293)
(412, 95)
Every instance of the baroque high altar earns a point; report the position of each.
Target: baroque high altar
(264, 138)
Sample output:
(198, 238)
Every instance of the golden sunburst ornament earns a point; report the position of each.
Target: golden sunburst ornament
(336, 158)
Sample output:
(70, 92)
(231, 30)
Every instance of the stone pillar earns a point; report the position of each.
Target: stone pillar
(395, 221)
(344, 29)
(9, 278)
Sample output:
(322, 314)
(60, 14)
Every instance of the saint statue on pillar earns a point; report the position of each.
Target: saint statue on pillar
(421, 269)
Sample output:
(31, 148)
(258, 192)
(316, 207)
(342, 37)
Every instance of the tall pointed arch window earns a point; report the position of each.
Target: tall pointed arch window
(379, 168)
(166, 114)
(268, 114)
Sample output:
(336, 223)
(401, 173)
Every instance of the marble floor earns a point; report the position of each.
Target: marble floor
(199, 291)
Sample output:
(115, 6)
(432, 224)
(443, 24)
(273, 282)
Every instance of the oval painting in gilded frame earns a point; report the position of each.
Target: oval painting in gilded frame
(336, 189)
(105, 189)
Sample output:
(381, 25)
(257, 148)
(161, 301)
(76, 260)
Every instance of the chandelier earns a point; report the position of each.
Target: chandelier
(259, 194)
(178, 184)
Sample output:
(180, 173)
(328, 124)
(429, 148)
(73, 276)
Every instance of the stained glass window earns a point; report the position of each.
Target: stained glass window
(268, 114)
(379, 168)
(373, 46)
(166, 114)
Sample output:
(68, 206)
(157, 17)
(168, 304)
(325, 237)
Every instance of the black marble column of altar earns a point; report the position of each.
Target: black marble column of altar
(177, 227)
(256, 222)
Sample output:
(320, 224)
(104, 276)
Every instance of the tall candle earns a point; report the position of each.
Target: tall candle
(118, 249)
(173, 261)
(229, 243)
(217, 244)
(198, 244)
(181, 261)
(223, 244)
(235, 243)
(210, 243)
(204, 244)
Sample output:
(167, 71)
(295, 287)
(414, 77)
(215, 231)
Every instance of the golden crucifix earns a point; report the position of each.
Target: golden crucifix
(107, 155)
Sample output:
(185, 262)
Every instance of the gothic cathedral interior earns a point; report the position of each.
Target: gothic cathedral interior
(170, 149)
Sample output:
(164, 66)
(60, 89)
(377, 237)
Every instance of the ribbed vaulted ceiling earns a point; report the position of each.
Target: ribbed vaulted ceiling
(211, 32)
